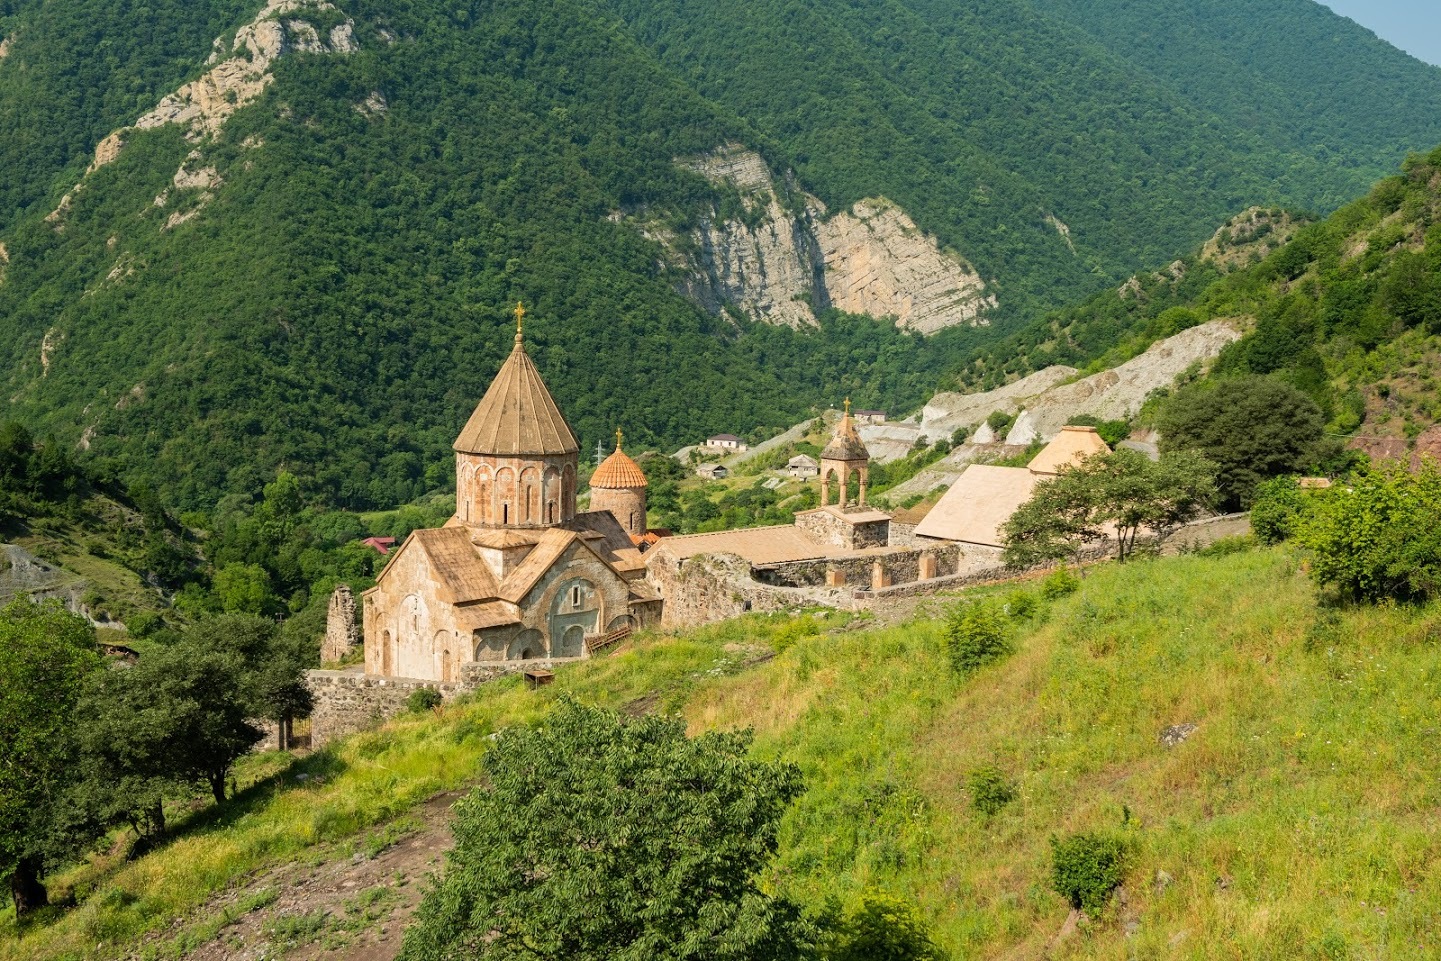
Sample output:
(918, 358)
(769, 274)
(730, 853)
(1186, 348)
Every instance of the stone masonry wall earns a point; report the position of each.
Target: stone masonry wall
(350, 701)
(902, 566)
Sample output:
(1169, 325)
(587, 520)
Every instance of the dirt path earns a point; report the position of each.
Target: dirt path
(340, 909)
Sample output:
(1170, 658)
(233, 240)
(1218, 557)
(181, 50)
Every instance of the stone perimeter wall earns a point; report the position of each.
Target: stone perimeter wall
(349, 701)
(900, 566)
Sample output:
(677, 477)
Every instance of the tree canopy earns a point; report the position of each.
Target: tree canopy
(596, 837)
(1108, 496)
(46, 653)
(1252, 428)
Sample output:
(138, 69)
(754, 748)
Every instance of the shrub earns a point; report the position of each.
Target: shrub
(1022, 605)
(881, 928)
(1276, 510)
(975, 636)
(1000, 421)
(1376, 537)
(990, 789)
(423, 699)
(1086, 868)
(597, 836)
(1059, 583)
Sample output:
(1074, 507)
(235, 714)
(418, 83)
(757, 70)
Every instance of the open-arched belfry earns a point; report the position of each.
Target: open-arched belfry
(844, 456)
(518, 573)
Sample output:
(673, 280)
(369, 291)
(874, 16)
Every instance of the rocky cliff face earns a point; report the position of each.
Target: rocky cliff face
(786, 258)
(236, 77)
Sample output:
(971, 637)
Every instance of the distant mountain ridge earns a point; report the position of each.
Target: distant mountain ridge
(323, 281)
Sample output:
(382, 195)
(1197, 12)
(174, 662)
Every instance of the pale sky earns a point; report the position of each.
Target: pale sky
(1412, 25)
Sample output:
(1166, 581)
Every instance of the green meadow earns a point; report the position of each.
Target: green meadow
(1297, 820)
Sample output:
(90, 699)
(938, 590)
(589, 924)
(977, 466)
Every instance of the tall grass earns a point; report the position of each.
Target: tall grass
(1297, 821)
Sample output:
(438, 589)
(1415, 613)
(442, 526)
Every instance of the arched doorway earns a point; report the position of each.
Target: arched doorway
(572, 643)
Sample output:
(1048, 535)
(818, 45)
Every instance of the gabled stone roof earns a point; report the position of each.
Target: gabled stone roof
(517, 416)
(1067, 449)
(978, 505)
(846, 444)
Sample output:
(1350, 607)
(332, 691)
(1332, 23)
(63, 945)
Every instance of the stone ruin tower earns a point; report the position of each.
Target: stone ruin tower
(619, 486)
(844, 455)
(341, 633)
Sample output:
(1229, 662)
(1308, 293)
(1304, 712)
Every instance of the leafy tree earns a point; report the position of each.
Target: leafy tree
(596, 837)
(273, 662)
(1111, 431)
(1115, 495)
(126, 728)
(1376, 537)
(243, 589)
(881, 928)
(1276, 509)
(46, 654)
(1252, 428)
(201, 694)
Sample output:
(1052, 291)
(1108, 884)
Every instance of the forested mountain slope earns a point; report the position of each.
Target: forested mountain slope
(322, 281)
(1292, 71)
(1348, 309)
(986, 120)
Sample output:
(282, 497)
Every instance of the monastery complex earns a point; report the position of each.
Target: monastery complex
(519, 579)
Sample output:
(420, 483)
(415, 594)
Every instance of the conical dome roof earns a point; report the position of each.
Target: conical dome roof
(618, 471)
(846, 444)
(517, 416)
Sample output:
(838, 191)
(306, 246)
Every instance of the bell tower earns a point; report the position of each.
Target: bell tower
(845, 455)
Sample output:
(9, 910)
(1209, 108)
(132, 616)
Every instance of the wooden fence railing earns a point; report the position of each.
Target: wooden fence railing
(594, 645)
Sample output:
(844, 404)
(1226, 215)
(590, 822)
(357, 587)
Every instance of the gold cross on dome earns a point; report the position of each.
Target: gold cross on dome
(848, 407)
(619, 436)
(519, 316)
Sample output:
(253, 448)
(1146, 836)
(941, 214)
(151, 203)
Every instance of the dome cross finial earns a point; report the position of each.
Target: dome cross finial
(619, 436)
(519, 320)
(848, 407)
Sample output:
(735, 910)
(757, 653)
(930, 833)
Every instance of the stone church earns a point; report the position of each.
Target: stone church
(518, 573)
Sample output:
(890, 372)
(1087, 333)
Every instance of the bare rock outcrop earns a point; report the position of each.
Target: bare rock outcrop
(878, 262)
(205, 104)
(786, 258)
(1118, 394)
(6, 44)
(4, 261)
(1047, 399)
(1249, 236)
(235, 79)
(947, 411)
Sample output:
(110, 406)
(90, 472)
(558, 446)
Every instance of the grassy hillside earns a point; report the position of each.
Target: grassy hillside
(1295, 822)
(341, 301)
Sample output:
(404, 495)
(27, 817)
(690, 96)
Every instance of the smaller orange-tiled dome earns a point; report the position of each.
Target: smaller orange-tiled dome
(618, 471)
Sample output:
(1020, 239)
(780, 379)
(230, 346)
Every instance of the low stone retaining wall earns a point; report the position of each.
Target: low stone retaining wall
(350, 701)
